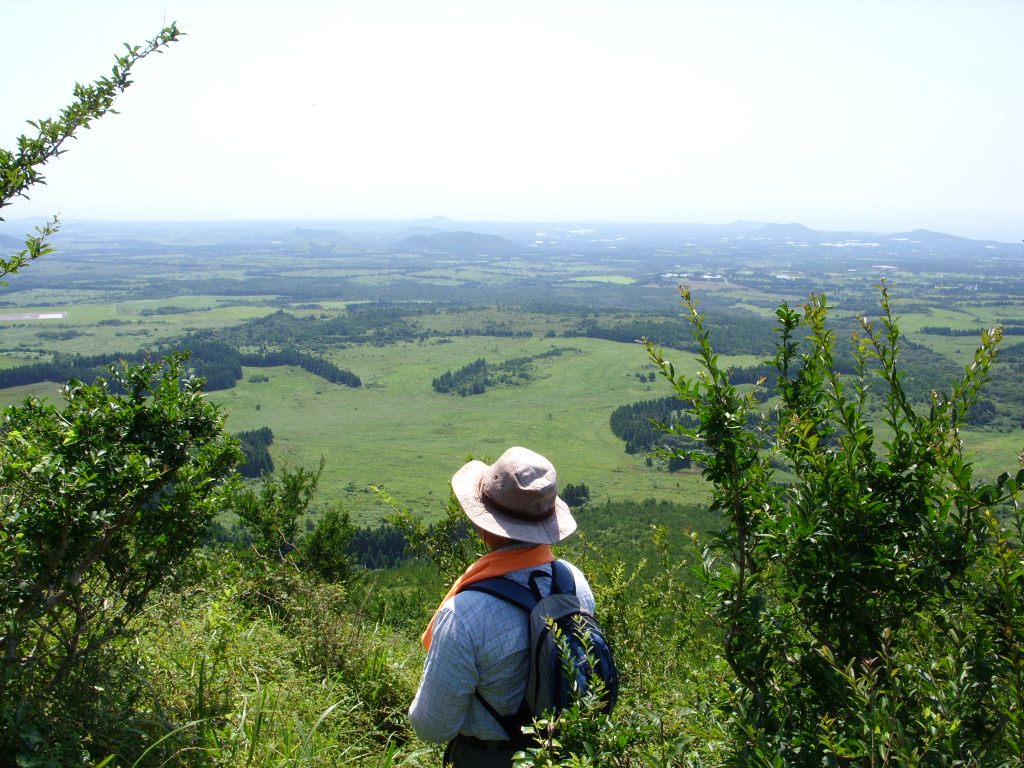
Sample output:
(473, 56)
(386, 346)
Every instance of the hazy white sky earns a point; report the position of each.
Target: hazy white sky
(881, 115)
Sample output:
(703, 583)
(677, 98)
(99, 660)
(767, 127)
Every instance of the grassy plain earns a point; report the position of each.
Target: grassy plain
(395, 431)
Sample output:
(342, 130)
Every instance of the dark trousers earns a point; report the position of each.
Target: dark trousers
(461, 753)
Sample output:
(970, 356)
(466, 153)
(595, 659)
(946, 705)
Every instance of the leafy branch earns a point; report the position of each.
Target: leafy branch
(20, 169)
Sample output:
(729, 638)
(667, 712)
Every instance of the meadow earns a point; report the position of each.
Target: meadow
(395, 432)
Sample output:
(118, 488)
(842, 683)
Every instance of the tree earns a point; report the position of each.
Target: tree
(871, 604)
(271, 513)
(325, 549)
(101, 501)
(575, 495)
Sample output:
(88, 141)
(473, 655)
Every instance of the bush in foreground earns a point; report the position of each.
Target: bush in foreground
(871, 606)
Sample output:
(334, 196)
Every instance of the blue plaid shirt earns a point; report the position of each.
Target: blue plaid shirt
(479, 642)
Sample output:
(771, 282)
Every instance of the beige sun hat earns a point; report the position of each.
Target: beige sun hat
(516, 497)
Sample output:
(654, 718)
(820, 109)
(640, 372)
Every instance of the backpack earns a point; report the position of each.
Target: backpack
(554, 679)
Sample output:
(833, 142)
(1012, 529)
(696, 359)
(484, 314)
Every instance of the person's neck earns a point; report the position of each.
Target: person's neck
(495, 542)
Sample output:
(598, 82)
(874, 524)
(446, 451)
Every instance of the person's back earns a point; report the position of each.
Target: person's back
(478, 643)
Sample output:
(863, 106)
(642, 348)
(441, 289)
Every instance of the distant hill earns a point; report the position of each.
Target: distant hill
(439, 234)
(928, 237)
(456, 242)
(423, 231)
(11, 244)
(324, 240)
(320, 236)
(785, 232)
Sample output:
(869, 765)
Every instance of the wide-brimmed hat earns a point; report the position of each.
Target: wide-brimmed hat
(516, 497)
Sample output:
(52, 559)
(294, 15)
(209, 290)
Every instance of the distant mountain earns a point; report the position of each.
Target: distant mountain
(457, 242)
(424, 231)
(928, 237)
(320, 236)
(785, 232)
(741, 225)
(441, 234)
(11, 244)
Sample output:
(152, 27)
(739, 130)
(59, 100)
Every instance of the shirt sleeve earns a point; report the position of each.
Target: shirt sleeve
(450, 677)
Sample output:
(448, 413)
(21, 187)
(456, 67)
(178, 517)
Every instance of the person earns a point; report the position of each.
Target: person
(477, 644)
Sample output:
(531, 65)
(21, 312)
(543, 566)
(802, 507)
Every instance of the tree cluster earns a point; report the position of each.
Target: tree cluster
(218, 363)
(1009, 329)
(255, 445)
(317, 366)
(474, 378)
(85, 368)
(102, 500)
(638, 424)
(470, 379)
(741, 333)
(575, 494)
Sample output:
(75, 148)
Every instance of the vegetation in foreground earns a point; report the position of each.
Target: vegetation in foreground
(864, 612)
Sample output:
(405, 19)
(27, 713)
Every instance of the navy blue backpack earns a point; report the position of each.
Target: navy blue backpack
(555, 678)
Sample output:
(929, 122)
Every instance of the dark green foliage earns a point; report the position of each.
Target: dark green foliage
(637, 424)
(255, 445)
(470, 379)
(315, 365)
(374, 322)
(742, 333)
(865, 603)
(575, 494)
(84, 368)
(941, 330)
(474, 378)
(448, 544)
(324, 550)
(218, 363)
(383, 546)
(65, 335)
(102, 500)
(263, 436)
(272, 512)
(215, 361)
(169, 309)
(981, 413)
(222, 363)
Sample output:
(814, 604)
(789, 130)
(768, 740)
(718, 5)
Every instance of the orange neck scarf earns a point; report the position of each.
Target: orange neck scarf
(494, 564)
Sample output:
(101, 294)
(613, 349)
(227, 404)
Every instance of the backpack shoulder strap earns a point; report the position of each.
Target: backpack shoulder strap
(525, 598)
(505, 589)
(562, 580)
(512, 724)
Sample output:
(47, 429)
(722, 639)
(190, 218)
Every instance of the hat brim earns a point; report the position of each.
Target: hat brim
(466, 485)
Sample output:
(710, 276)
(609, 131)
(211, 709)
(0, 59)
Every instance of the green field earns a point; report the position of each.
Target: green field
(396, 431)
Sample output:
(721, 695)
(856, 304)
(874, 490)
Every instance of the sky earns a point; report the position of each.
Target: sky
(868, 115)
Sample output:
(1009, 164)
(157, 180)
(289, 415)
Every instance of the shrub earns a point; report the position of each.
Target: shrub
(869, 603)
(101, 501)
